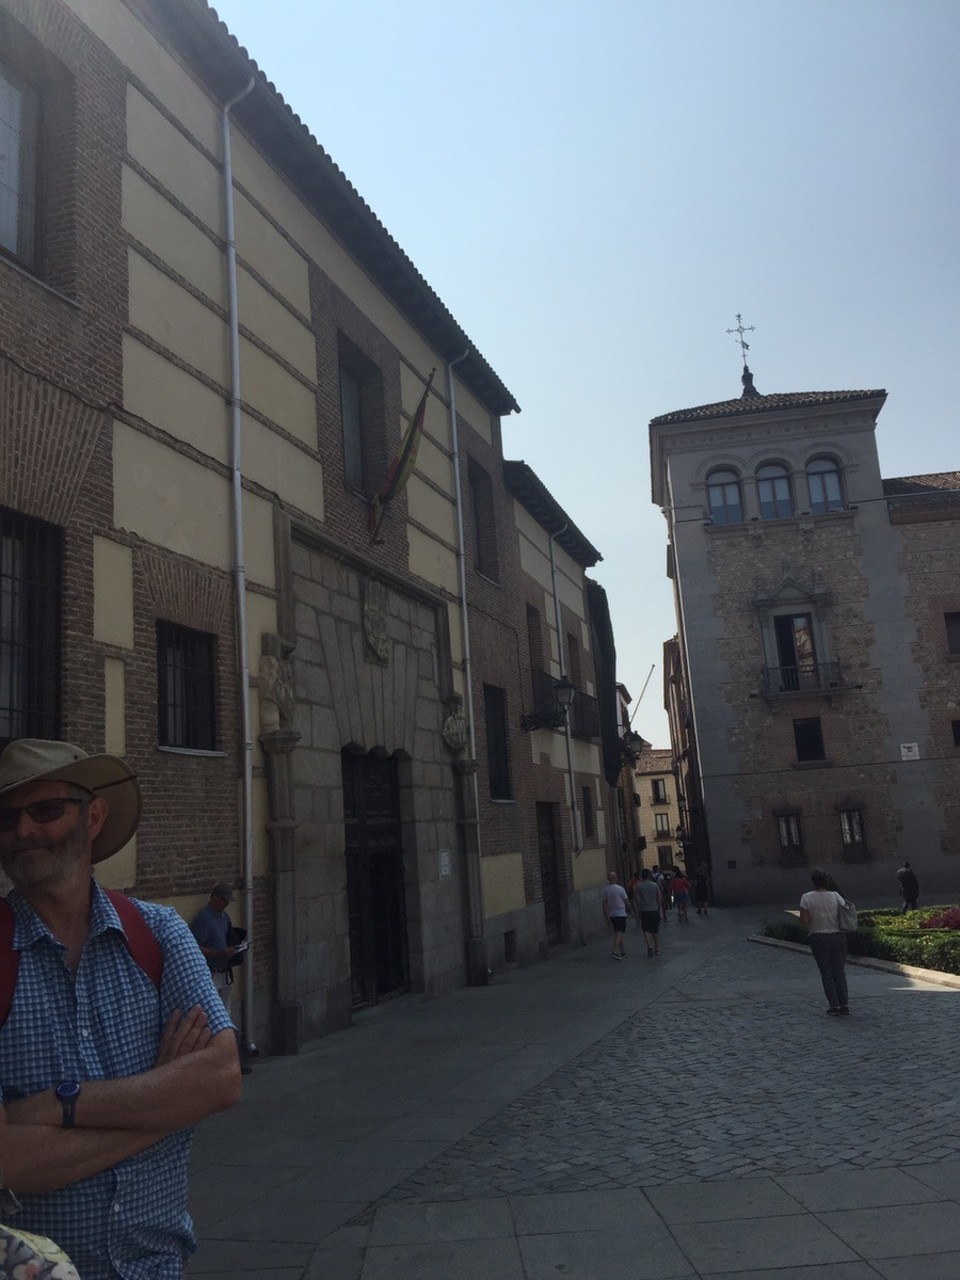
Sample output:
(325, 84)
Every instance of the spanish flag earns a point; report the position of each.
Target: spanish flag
(401, 467)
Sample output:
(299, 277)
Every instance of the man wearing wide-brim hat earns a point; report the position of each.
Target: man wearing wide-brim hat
(101, 1061)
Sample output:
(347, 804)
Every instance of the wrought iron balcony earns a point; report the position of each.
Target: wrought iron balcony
(585, 716)
(583, 713)
(545, 713)
(821, 677)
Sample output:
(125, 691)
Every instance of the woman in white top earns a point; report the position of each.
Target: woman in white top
(820, 913)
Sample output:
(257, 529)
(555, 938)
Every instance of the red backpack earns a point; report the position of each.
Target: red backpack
(138, 938)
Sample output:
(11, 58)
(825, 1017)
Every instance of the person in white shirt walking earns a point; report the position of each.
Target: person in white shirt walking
(820, 914)
(615, 907)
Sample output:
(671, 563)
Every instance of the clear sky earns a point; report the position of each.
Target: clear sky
(596, 188)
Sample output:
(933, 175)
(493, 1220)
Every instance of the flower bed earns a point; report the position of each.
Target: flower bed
(928, 939)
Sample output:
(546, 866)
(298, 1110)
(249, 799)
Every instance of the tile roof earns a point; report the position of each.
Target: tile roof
(763, 404)
(939, 484)
(532, 494)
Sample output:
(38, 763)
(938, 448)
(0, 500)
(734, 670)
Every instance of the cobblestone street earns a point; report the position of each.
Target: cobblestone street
(735, 1066)
(516, 1132)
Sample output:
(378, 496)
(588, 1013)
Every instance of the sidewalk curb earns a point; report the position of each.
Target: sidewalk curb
(869, 962)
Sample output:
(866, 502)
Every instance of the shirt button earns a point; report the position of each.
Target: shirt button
(85, 1032)
(116, 1208)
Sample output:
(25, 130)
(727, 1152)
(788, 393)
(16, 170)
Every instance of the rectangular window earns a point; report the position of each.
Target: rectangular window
(663, 823)
(498, 758)
(659, 787)
(186, 684)
(589, 822)
(952, 622)
(19, 111)
(483, 524)
(791, 833)
(956, 732)
(31, 553)
(808, 736)
(851, 826)
(664, 855)
(796, 652)
(366, 457)
(352, 429)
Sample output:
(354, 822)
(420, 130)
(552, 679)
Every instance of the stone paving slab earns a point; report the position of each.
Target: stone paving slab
(941, 1266)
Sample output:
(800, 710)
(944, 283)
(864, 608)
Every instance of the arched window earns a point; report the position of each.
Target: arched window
(773, 488)
(826, 491)
(723, 497)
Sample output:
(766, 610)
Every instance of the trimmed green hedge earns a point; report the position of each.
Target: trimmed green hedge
(888, 935)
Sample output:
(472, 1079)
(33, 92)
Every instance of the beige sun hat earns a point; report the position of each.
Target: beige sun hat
(28, 760)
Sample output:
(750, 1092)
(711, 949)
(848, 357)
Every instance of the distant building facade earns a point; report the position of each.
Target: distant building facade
(658, 809)
(814, 685)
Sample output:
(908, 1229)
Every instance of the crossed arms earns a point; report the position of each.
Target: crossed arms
(195, 1075)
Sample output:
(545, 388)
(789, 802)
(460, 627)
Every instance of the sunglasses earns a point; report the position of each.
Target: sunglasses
(41, 812)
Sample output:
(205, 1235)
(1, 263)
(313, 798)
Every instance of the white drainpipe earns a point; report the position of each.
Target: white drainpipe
(239, 573)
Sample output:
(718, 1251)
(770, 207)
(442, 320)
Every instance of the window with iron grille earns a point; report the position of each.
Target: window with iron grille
(791, 833)
(186, 684)
(31, 552)
(851, 826)
(498, 757)
(589, 822)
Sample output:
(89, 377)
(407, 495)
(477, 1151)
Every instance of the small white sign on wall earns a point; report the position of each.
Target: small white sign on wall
(444, 859)
(909, 750)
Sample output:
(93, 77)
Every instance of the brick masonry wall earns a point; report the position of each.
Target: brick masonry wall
(60, 382)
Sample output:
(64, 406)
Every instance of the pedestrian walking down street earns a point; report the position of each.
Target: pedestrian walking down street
(647, 900)
(615, 907)
(820, 914)
(701, 890)
(681, 895)
(909, 888)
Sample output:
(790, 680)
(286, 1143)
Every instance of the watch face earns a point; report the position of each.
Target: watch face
(68, 1091)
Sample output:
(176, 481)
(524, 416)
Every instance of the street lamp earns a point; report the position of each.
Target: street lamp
(564, 692)
(632, 744)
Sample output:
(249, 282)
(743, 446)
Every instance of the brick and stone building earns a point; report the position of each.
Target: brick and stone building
(210, 351)
(817, 663)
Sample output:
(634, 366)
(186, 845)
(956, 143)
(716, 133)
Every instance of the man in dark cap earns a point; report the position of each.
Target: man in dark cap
(211, 928)
(114, 1043)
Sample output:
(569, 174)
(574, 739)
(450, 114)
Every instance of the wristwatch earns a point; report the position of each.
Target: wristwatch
(68, 1092)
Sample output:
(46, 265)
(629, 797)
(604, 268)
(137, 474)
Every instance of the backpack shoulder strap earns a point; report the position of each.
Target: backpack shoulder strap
(9, 959)
(138, 936)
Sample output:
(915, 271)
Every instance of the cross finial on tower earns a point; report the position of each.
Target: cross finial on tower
(740, 330)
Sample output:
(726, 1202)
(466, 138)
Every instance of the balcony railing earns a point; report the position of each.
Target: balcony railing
(584, 713)
(822, 677)
(585, 716)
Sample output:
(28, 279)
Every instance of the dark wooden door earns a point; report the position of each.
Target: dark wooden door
(550, 871)
(375, 897)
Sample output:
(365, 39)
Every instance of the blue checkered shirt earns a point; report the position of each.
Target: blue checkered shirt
(100, 1023)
